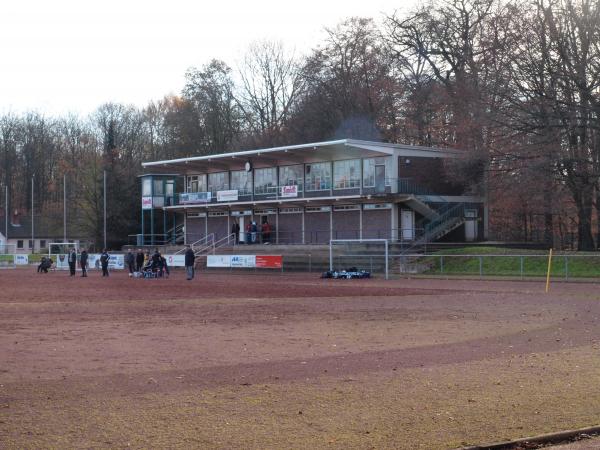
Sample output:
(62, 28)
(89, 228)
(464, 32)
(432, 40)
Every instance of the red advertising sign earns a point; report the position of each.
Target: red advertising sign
(269, 261)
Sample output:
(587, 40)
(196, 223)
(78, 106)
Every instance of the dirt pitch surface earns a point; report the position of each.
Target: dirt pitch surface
(251, 361)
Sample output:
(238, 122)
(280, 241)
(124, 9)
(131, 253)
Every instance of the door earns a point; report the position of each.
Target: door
(380, 178)
(470, 225)
(407, 222)
(242, 234)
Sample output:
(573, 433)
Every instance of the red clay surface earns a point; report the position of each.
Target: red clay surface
(291, 361)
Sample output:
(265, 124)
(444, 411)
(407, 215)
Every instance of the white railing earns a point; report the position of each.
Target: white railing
(206, 241)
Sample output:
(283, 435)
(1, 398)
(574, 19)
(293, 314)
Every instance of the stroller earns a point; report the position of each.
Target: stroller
(149, 270)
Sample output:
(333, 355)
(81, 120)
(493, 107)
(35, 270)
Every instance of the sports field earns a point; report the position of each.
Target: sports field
(250, 361)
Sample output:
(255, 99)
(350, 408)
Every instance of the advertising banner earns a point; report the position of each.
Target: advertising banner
(218, 261)
(146, 202)
(269, 261)
(115, 261)
(190, 198)
(21, 260)
(227, 196)
(245, 261)
(289, 191)
(175, 260)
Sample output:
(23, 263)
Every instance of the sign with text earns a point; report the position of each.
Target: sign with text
(190, 198)
(21, 260)
(289, 191)
(146, 202)
(269, 261)
(245, 261)
(175, 260)
(227, 196)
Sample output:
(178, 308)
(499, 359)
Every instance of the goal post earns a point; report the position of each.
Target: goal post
(8, 256)
(358, 251)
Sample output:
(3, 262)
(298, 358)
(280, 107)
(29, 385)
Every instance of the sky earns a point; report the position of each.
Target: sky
(71, 56)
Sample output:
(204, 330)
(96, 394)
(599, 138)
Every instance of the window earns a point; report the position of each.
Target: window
(20, 244)
(318, 176)
(42, 243)
(369, 170)
(292, 176)
(265, 181)
(158, 187)
(196, 183)
(242, 181)
(218, 182)
(146, 187)
(30, 243)
(346, 174)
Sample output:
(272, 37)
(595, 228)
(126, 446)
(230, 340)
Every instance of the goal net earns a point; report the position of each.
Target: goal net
(371, 255)
(59, 252)
(8, 255)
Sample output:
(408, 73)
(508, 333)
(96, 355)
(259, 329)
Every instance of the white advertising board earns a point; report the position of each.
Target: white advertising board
(115, 261)
(146, 202)
(175, 260)
(227, 196)
(21, 260)
(243, 261)
(289, 191)
(218, 261)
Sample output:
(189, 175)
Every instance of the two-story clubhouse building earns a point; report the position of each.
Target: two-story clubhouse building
(311, 193)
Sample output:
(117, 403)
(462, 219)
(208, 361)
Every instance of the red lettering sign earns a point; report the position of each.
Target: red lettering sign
(269, 261)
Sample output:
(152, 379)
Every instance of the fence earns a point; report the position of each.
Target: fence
(513, 266)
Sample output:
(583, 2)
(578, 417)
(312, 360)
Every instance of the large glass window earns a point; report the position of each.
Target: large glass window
(369, 170)
(196, 183)
(218, 182)
(146, 187)
(292, 176)
(242, 181)
(346, 174)
(265, 181)
(158, 187)
(318, 176)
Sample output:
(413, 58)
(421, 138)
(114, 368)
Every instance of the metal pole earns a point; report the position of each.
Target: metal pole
(330, 257)
(105, 209)
(32, 229)
(386, 260)
(65, 207)
(6, 213)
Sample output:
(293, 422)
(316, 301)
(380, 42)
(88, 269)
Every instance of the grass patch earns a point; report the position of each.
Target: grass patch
(491, 261)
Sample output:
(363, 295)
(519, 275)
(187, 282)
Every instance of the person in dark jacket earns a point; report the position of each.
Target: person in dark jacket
(130, 261)
(190, 258)
(139, 260)
(165, 265)
(155, 260)
(83, 262)
(104, 258)
(72, 261)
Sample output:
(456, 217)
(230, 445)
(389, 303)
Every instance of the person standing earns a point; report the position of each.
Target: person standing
(72, 261)
(104, 258)
(235, 230)
(253, 229)
(266, 232)
(83, 262)
(130, 261)
(190, 258)
(139, 261)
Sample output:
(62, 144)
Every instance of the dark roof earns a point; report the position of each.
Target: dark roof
(42, 229)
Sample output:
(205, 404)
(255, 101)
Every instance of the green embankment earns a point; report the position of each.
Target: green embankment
(491, 261)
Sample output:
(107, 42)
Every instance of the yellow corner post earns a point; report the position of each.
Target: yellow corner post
(549, 267)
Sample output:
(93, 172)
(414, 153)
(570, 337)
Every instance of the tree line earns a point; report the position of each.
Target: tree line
(515, 85)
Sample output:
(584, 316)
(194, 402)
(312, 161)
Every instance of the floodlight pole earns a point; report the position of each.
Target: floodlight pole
(32, 228)
(105, 209)
(6, 213)
(65, 207)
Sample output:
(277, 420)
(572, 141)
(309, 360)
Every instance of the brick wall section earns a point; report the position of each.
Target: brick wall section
(290, 228)
(376, 224)
(430, 174)
(346, 224)
(317, 227)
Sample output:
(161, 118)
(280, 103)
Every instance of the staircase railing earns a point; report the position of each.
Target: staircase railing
(206, 241)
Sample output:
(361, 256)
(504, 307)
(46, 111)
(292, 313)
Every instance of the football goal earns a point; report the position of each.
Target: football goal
(8, 256)
(363, 254)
